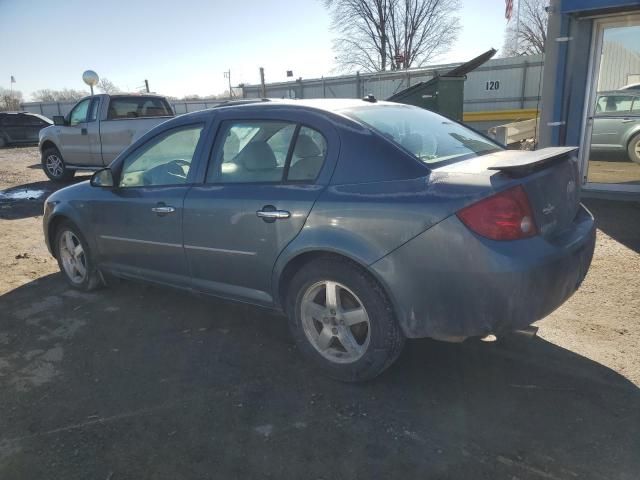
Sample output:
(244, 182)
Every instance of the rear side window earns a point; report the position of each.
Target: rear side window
(308, 155)
(609, 104)
(138, 107)
(266, 151)
(432, 138)
(251, 152)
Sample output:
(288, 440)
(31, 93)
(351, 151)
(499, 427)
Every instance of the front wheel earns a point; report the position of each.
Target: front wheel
(634, 148)
(342, 320)
(74, 258)
(54, 166)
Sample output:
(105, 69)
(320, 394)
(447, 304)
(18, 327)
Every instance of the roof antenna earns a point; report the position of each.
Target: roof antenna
(370, 98)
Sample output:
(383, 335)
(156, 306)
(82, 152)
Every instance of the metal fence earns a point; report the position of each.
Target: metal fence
(50, 109)
(500, 84)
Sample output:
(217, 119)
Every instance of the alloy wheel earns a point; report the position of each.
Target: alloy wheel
(335, 322)
(73, 257)
(54, 165)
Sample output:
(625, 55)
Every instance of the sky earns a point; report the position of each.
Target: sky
(184, 47)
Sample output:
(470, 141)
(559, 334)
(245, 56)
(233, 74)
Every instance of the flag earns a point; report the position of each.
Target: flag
(13, 79)
(508, 10)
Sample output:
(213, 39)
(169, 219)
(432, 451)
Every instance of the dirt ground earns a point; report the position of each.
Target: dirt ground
(140, 382)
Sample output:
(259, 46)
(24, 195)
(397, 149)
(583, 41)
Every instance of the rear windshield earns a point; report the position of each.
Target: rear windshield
(138, 107)
(430, 137)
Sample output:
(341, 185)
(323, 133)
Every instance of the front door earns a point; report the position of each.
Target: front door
(259, 190)
(612, 128)
(74, 138)
(139, 223)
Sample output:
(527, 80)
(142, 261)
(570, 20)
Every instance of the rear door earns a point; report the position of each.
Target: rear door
(14, 128)
(35, 124)
(612, 118)
(264, 175)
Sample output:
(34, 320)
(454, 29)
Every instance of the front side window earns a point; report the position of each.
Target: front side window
(251, 151)
(79, 113)
(164, 161)
(427, 135)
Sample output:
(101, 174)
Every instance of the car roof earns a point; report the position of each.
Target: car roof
(329, 105)
(622, 93)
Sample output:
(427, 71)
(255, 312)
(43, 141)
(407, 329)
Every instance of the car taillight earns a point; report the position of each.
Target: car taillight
(504, 216)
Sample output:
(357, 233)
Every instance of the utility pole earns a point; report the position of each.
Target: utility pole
(146, 85)
(227, 75)
(263, 87)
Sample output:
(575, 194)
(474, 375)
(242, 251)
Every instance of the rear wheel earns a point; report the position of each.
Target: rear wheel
(74, 258)
(342, 320)
(54, 166)
(634, 148)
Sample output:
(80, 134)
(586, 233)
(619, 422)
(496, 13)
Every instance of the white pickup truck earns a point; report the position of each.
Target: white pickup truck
(96, 130)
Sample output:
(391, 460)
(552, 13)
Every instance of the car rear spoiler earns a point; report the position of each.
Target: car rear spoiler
(518, 162)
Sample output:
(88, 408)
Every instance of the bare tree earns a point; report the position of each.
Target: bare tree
(532, 34)
(377, 35)
(107, 86)
(10, 100)
(64, 95)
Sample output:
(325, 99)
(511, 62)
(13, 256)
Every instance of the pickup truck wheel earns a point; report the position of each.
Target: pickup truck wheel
(54, 167)
(634, 148)
(342, 320)
(74, 258)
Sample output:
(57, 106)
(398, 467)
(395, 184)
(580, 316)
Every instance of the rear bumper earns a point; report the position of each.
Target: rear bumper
(449, 284)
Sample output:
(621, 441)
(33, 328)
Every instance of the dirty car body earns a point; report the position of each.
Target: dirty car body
(425, 212)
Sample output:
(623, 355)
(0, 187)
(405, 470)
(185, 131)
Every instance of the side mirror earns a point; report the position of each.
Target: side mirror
(102, 178)
(59, 120)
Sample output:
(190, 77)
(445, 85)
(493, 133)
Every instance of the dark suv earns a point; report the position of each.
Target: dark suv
(21, 127)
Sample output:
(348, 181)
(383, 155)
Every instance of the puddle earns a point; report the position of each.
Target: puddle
(26, 194)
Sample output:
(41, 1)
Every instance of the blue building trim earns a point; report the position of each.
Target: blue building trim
(579, 6)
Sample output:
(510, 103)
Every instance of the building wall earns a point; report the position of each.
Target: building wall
(619, 67)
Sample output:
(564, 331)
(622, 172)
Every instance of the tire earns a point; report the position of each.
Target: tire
(78, 269)
(54, 166)
(378, 339)
(633, 149)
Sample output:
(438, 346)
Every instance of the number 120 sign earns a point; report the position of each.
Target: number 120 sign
(493, 85)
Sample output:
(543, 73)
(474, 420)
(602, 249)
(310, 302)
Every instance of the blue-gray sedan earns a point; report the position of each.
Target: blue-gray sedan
(365, 222)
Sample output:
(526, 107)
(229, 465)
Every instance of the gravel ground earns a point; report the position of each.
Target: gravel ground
(140, 382)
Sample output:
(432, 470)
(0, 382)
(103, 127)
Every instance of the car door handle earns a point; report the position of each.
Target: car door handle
(83, 131)
(163, 209)
(629, 120)
(271, 215)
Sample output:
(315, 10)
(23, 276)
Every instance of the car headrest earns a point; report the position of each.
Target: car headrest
(257, 156)
(306, 147)
(412, 142)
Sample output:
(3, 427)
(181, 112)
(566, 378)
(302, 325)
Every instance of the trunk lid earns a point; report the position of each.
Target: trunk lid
(549, 176)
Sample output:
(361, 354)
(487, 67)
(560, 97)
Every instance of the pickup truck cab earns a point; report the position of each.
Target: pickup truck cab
(96, 130)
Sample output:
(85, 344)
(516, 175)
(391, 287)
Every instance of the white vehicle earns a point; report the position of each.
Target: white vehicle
(96, 130)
